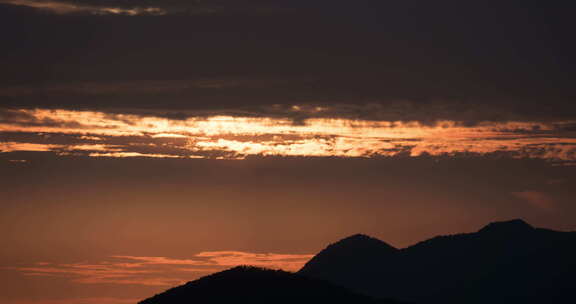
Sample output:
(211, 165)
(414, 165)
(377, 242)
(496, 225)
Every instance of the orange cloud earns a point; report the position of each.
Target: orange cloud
(291, 262)
(162, 271)
(234, 137)
(159, 260)
(230, 258)
(16, 146)
(132, 154)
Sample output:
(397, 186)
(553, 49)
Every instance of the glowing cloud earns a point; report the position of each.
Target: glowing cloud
(236, 137)
(16, 146)
(290, 262)
(131, 154)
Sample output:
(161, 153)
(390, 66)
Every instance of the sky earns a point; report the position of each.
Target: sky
(147, 143)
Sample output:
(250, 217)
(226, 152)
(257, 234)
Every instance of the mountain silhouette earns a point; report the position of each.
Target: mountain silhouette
(335, 259)
(504, 262)
(508, 227)
(244, 284)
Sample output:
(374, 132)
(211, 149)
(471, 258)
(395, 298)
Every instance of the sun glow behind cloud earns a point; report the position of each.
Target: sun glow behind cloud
(101, 134)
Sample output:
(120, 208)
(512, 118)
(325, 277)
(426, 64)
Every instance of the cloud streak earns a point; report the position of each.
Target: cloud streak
(161, 271)
(102, 134)
(536, 199)
(63, 7)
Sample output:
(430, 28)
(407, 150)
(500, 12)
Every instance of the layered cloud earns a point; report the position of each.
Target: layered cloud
(103, 134)
(162, 271)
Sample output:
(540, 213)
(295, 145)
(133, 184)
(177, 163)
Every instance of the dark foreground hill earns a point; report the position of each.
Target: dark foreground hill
(256, 285)
(504, 262)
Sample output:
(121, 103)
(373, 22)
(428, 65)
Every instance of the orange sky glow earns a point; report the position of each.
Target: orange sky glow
(156, 272)
(149, 143)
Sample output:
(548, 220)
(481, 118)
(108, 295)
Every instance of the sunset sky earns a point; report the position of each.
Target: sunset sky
(146, 143)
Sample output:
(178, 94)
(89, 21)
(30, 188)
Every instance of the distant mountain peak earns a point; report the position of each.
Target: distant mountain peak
(249, 284)
(361, 241)
(350, 252)
(511, 226)
(359, 237)
(250, 269)
(504, 262)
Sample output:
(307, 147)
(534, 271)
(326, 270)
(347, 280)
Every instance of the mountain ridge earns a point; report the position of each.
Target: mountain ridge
(249, 284)
(501, 263)
(465, 267)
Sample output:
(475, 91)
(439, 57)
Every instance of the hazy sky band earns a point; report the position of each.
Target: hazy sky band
(161, 271)
(101, 134)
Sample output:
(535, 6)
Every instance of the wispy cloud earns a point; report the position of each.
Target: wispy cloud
(101, 134)
(537, 199)
(162, 271)
(17, 146)
(134, 154)
(290, 262)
